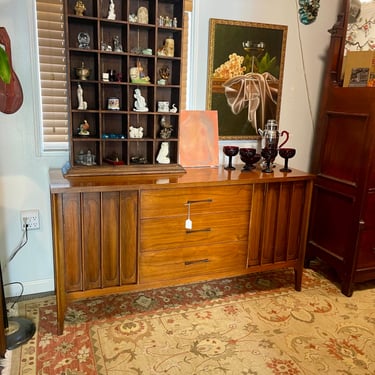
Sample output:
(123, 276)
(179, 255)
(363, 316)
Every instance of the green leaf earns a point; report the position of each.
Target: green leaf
(268, 64)
(5, 73)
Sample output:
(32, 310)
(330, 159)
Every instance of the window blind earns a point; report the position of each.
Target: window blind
(52, 65)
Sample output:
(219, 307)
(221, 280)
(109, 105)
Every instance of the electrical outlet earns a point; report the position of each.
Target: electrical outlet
(30, 218)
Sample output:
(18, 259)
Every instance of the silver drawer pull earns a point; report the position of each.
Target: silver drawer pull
(198, 230)
(188, 263)
(199, 201)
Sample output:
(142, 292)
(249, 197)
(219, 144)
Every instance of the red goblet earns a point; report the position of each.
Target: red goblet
(230, 151)
(286, 154)
(268, 154)
(248, 156)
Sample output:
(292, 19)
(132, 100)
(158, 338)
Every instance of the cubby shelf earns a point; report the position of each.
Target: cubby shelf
(149, 44)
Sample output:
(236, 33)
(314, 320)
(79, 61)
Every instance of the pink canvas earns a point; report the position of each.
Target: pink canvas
(198, 139)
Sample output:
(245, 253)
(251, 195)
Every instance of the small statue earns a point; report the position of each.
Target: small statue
(79, 8)
(84, 128)
(117, 47)
(142, 15)
(111, 11)
(164, 73)
(140, 102)
(81, 103)
(163, 155)
(167, 129)
(168, 48)
(137, 74)
(135, 132)
(133, 17)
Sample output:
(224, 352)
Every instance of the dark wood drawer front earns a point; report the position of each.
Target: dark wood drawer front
(180, 263)
(173, 202)
(167, 232)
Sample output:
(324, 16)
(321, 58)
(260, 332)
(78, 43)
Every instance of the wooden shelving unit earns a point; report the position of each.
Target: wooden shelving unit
(105, 45)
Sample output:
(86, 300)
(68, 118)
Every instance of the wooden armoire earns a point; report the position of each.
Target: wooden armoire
(342, 226)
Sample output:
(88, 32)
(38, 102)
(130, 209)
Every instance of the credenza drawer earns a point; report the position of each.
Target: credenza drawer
(172, 202)
(167, 232)
(179, 263)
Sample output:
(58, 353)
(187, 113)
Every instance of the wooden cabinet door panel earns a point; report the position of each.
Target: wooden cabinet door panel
(344, 131)
(165, 232)
(366, 254)
(296, 218)
(369, 210)
(110, 238)
(92, 240)
(100, 239)
(128, 236)
(72, 241)
(277, 222)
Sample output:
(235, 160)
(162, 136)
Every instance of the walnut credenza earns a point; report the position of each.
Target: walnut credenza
(114, 234)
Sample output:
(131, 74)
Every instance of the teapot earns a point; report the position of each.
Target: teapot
(271, 135)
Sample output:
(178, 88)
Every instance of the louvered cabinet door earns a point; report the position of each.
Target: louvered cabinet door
(98, 239)
(278, 226)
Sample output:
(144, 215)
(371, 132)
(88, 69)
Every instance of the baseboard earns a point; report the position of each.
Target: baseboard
(30, 287)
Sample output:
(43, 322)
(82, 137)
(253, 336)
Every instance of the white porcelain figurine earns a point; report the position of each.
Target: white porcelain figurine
(111, 11)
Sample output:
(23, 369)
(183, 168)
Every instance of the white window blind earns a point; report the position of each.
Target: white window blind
(52, 61)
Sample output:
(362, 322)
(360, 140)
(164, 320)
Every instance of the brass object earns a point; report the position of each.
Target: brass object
(83, 73)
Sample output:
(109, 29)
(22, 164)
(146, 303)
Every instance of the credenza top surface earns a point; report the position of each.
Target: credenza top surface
(193, 177)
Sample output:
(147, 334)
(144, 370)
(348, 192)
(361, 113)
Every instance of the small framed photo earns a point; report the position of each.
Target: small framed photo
(114, 104)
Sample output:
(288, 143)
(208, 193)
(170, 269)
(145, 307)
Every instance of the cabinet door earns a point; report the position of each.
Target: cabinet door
(366, 249)
(278, 222)
(100, 239)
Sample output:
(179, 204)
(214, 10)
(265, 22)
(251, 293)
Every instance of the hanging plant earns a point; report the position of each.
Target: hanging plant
(5, 72)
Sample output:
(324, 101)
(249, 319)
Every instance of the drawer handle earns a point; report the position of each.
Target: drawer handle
(198, 230)
(199, 201)
(189, 263)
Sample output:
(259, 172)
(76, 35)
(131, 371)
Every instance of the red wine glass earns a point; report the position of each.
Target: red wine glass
(249, 157)
(286, 154)
(268, 154)
(230, 151)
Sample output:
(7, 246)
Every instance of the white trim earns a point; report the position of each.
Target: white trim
(194, 39)
(30, 287)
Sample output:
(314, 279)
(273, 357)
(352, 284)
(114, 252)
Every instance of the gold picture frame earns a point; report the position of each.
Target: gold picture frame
(245, 74)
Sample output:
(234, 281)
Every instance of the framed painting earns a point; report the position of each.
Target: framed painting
(245, 72)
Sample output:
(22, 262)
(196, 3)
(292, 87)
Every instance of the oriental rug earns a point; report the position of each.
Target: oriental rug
(252, 325)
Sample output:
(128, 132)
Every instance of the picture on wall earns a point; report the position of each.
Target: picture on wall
(245, 71)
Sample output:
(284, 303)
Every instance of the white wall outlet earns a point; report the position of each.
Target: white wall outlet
(31, 219)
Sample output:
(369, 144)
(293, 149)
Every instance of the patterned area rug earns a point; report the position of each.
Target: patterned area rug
(252, 325)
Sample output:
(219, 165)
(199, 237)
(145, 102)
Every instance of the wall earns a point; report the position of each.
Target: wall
(24, 173)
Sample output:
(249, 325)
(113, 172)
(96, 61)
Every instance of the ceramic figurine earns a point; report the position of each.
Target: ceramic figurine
(111, 11)
(142, 15)
(84, 128)
(135, 132)
(79, 8)
(140, 102)
(163, 155)
(81, 103)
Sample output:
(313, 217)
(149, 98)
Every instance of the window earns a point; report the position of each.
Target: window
(52, 65)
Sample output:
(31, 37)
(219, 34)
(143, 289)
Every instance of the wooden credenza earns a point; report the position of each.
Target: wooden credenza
(114, 234)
